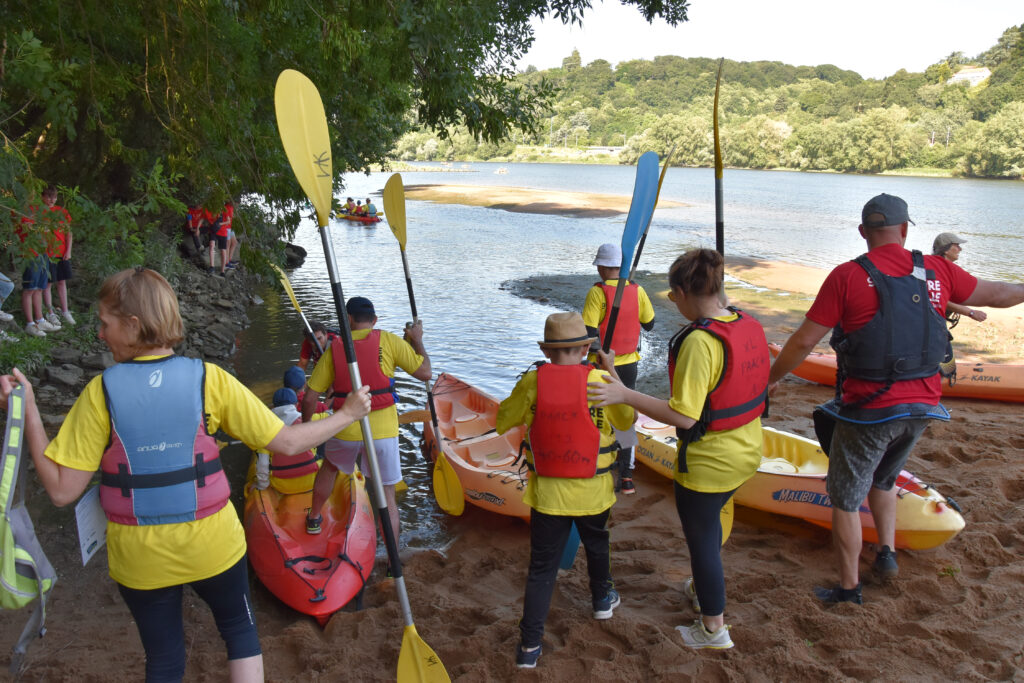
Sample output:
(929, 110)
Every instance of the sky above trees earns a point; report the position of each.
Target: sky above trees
(875, 38)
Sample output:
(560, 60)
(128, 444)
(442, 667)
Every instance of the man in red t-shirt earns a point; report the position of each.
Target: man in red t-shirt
(878, 415)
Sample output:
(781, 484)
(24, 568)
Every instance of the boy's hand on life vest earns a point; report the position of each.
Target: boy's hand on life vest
(607, 392)
(357, 403)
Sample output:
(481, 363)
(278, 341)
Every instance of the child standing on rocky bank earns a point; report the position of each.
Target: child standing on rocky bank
(571, 448)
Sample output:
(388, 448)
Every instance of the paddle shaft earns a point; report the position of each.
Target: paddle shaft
(390, 542)
(408, 286)
(719, 203)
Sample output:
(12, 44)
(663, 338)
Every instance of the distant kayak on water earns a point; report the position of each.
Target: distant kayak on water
(359, 219)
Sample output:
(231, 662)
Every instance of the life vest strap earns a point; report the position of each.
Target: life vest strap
(125, 481)
(305, 463)
(726, 413)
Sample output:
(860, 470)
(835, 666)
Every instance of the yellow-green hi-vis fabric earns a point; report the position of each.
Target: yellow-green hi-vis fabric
(303, 127)
(25, 573)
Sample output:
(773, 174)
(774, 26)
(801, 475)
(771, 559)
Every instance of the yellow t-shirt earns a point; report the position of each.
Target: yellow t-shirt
(721, 461)
(160, 555)
(593, 313)
(556, 495)
(395, 352)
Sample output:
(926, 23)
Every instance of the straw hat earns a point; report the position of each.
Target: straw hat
(565, 330)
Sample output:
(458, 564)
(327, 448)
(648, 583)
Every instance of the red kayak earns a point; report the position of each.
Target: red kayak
(315, 575)
(360, 219)
(973, 380)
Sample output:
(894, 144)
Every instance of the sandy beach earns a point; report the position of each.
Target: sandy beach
(528, 200)
(953, 614)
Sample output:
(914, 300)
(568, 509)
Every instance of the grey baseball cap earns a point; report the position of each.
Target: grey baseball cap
(885, 209)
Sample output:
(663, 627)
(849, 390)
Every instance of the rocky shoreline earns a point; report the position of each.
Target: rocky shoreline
(214, 310)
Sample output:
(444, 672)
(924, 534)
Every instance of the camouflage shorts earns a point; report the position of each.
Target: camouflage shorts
(863, 456)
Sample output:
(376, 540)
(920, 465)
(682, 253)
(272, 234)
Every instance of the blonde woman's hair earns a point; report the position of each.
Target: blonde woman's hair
(145, 294)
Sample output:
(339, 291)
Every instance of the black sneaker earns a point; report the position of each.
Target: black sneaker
(885, 566)
(313, 524)
(527, 659)
(627, 486)
(831, 596)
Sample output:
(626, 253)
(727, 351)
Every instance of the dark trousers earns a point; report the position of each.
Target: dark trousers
(702, 527)
(548, 534)
(158, 616)
(627, 373)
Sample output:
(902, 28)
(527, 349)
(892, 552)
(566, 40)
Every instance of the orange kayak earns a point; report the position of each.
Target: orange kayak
(973, 380)
(315, 575)
(488, 466)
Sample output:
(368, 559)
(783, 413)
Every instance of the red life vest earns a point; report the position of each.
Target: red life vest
(626, 337)
(564, 441)
(226, 218)
(739, 397)
(382, 387)
(195, 217)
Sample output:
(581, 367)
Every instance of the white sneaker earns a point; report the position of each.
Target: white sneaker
(52, 318)
(47, 326)
(698, 637)
(6, 337)
(6, 317)
(68, 318)
(34, 330)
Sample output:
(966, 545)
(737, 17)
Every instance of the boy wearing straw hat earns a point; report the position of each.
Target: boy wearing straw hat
(570, 450)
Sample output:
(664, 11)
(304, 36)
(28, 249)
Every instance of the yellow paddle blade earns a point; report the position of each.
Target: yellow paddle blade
(394, 207)
(726, 517)
(287, 287)
(411, 416)
(303, 127)
(447, 487)
(417, 663)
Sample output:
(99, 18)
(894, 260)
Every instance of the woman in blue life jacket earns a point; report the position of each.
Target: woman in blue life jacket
(718, 368)
(146, 424)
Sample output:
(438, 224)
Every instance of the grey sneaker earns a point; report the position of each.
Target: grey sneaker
(6, 337)
(604, 608)
(68, 318)
(52, 318)
(885, 566)
(47, 326)
(33, 330)
(698, 637)
(691, 593)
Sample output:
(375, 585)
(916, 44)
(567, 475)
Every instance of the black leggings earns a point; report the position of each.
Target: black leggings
(157, 615)
(702, 527)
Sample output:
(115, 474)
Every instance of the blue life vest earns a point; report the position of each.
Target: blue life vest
(162, 466)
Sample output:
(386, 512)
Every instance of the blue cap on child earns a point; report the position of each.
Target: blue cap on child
(285, 396)
(294, 378)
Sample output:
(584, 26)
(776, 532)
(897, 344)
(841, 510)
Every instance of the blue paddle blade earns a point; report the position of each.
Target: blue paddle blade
(641, 208)
(572, 546)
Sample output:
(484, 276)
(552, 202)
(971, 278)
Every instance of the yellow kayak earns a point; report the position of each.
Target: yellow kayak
(791, 482)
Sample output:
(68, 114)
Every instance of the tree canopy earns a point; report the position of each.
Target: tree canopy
(119, 99)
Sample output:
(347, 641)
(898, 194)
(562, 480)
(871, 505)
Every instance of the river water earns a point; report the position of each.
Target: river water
(459, 256)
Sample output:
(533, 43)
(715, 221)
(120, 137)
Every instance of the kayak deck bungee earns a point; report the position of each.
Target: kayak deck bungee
(986, 381)
(492, 474)
(313, 574)
(791, 481)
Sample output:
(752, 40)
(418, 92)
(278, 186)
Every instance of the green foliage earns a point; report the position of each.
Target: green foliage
(778, 115)
(29, 354)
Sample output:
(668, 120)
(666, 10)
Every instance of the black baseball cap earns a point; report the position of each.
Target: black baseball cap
(885, 209)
